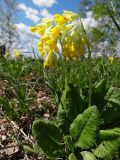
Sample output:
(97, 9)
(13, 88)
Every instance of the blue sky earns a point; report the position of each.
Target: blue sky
(51, 7)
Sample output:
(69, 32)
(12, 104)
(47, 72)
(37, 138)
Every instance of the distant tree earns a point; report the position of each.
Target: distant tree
(107, 15)
(7, 28)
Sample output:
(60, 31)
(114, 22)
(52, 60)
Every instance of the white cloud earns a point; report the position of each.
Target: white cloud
(27, 40)
(44, 3)
(34, 18)
(23, 7)
(25, 32)
(44, 13)
(89, 21)
(30, 13)
(22, 27)
(34, 14)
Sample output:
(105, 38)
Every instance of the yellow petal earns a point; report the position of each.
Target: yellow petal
(60, 19)
(41, 30)
(111, 59)
(56, 32)
(33, 29)
(70, 15)
(17, 54)
(50, 60)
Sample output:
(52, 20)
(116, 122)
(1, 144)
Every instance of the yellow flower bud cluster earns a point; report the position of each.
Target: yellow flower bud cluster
(74, 45)
(17, 54)
(111, 59)
(64, 29)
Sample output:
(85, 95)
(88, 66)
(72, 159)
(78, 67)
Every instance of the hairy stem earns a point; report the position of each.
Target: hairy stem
(90, 74)
(65, 74)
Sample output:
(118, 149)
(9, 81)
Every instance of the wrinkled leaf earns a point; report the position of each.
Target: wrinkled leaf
(85, 127)
(113, 95)
(88, 155)
(99, 94)
(69, 144)
(71, 105)
(72, 157)
(111, 113)
(107, 149)
(109, 134)
(48, 137)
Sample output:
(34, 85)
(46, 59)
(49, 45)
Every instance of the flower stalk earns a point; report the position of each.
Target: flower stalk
(89, 64)
(90, 74)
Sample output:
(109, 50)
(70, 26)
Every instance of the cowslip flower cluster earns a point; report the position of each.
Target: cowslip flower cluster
(17, 54)
(62, 30)
(111, 59)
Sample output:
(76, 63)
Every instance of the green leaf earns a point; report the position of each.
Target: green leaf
(109, 134)
(85, 127)
(72, 157)
(111, 113)
(99, 94)
(113, 95)
(29, 149)
(107, 149)
(48, 137)
(74, 102)
(99, 10)
(71, 105)
(88, 155)
(37, 149)
(63, 121)
(101, 86)
(69, 143)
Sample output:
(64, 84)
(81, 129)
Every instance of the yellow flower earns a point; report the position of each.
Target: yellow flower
(33, 29)
(50, 60)
(60, 19)
(17, 54)
(74, 59)
(52, 44)
(66, 53)
(67, 46)
(41, 43)
(41, 51)
(56, 32)
(47, 22)
(41, 30)
(72, 48)
(41, 48)
(63, 31)
(111, 59)
(69, 51)
(45, 38)
(67, 28)
(70, 16)
(73, 52)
